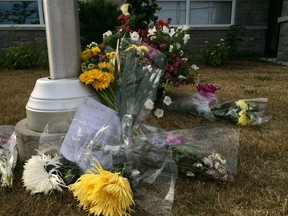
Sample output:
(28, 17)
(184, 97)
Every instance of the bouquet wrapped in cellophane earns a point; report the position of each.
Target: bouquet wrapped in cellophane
(204, 153)
(199, 103)
(205, 103)
(8, 155)
(244, 112)
(112, 142)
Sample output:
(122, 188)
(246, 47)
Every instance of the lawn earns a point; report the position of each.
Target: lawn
(260, 187)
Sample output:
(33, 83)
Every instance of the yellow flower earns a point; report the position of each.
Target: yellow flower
(244, 119)
(88, 77)
(110, 55)
(86, 54)
(242, 104)
(95, 50)
(124, 8)
(102, 82)
(138, 48)
(106, 67)
(103, 193)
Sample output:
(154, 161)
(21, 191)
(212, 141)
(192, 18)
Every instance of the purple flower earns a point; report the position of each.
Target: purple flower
(207, 88)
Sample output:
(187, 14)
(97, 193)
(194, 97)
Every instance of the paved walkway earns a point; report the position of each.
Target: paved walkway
(275, 61)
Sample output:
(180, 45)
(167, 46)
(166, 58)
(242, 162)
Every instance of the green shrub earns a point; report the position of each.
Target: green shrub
(26, 56)
(234, 38)
(142, 13)
(216, 53)
(97, 17)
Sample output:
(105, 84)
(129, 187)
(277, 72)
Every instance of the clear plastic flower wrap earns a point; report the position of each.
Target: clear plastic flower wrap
(93, 127)
(244, 112)
(198, 104)
(206, 153)
(8, 154)
(112, 138)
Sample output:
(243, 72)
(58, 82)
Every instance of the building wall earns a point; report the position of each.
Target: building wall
(252, 14)
(13, 35)
(282, 54)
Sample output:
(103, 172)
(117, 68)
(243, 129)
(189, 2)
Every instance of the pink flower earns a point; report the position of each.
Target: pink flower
(172, 140)
(207, 88)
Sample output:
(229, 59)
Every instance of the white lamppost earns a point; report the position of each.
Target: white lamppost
(59, 95)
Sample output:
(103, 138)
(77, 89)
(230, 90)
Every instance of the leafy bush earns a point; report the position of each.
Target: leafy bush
(234, 38)
(96, 17)
(26, 56)
(216, 53)
(219, 53)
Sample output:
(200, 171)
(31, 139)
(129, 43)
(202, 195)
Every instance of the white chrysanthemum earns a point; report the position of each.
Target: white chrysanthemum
(183, 28)
(152, 31)
(107, 34)
(172, 32)
(170, 48)
(165, 30)
(181, 77)
(148, 67)
(186, 38)
(92, 44)
(124, 8)
(159, 113)
(37, 179)
(167, 100)
(194, 67)
(134, 36)
(149, 104)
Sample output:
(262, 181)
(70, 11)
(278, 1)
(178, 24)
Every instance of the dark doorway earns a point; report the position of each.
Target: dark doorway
(272, 37)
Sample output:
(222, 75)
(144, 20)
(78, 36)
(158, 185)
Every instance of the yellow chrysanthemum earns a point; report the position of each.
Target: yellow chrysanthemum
(88, 77)
(244, 119)
(106, 67)
(138, 48)
(110, 55)
(103, 81)
(242, 104)
(95, 50)
(103, 193)
(86, 54)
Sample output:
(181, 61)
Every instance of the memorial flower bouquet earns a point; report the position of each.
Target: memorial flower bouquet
(207, 153)
(98, 71)
(111, 142)
(243, 112)
(171, 41)
(8, 155)
(198, 103)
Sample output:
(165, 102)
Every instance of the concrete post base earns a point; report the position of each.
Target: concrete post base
(28, 140)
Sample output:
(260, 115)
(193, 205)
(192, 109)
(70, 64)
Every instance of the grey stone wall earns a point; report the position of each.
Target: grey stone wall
(254, 39)
(252, 12)
(10, 36)
(282, 54)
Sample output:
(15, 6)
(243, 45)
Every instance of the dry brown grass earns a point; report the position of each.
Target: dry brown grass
(261, 185)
